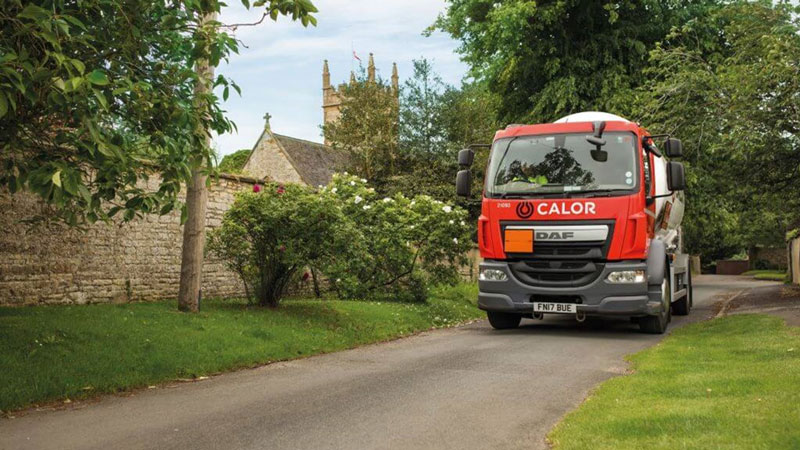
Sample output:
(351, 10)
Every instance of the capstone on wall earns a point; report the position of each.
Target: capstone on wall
(267, 160)
(135, 261)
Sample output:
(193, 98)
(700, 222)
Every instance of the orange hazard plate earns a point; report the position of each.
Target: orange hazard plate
(519, 241)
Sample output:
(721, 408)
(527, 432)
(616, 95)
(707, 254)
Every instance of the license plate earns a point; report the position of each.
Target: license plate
(559, 308)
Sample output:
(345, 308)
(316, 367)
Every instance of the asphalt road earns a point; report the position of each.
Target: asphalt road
(463, 388)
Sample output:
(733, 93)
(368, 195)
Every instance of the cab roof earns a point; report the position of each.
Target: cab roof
(565, 127)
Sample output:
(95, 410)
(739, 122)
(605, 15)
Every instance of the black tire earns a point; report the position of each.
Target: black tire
(684, 305)
(658, 324)
(503, 321)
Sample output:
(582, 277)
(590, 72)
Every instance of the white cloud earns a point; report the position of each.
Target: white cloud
(279, 70)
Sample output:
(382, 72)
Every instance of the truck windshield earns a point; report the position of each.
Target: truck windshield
(561, 163)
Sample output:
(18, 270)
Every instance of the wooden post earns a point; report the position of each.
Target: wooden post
(194, 230)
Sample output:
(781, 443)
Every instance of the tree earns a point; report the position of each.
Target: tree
(367, 128)
(94, 98)
(728, 84)
(421, 114)
(550, 58)
(234, 162)
(97, 96)
(212, 46)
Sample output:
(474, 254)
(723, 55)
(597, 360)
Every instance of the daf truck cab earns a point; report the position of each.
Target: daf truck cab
(581, 217)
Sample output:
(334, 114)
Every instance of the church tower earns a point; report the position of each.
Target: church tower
(332, 95)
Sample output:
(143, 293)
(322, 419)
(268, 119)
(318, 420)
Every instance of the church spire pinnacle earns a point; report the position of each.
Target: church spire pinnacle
(326, 76)
(395, 78)
(371, 69)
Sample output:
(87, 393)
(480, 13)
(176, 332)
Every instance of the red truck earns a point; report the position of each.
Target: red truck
(581, 217)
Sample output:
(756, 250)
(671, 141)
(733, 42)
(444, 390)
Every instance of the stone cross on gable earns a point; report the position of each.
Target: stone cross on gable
(267, 116)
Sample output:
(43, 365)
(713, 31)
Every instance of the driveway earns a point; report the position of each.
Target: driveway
(468, 387)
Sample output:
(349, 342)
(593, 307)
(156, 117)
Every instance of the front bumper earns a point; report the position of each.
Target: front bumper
(596, 298)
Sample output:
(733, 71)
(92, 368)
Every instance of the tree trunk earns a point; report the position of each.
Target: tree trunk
(194, 230)
(317, 291)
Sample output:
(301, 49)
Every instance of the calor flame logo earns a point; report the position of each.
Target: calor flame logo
(524, 209)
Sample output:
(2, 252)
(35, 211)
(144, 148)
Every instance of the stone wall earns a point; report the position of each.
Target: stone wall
(773, 257)
(136, 261)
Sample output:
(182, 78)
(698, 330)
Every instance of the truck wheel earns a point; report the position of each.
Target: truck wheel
(658, 324)
(684, 305)
(503, 321)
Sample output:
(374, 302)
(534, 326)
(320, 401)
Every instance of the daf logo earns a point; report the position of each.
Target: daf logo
(554, 235)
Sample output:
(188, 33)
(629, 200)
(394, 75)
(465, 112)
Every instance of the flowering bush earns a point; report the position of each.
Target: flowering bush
(364, 244)
(408, 244)
(268, 235)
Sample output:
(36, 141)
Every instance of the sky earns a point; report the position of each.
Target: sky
(279, 67)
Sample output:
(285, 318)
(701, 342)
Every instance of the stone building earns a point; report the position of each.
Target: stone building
(332, 95)
(291, 160)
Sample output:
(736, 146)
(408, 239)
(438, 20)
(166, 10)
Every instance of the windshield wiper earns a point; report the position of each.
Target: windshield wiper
(528, 194)
(596, 193)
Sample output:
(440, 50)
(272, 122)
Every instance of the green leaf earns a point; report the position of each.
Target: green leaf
(71, 184)
(3, 105)
(225, 93)
(57, 178)
(101, 98)
(84, 192)
(77, 64)
(98, 77)
(34, 12)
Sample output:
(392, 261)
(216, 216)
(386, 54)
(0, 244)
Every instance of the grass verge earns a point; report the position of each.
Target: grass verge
(726, 383)
(60, 352)
(770, 275)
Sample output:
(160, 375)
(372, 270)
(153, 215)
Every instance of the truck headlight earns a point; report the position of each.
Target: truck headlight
(626, 276)
(492, 275)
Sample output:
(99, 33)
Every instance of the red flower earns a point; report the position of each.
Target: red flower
(281, 190)
(305, 276)
(282, 248)
(256, 188)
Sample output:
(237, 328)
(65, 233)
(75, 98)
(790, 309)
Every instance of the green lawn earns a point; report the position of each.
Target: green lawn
(58, 352)
(728, 383)
(771, 275)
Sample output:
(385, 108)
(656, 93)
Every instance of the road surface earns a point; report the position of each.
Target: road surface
(463, 388)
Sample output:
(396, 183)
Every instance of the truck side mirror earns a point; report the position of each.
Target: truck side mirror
(676, 176)
(464, 183)
(673, 148)
(466, 157)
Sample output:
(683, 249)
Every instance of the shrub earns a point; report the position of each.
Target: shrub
(408, 244)
(267, 236)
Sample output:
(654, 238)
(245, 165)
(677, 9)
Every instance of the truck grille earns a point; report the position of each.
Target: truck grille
(565, 273)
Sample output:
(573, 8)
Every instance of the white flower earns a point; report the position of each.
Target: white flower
(321, 187)
(386, 199)
(366, 207)
(446, 208)
(413, 202)
(352, 183)
(371, 189)
(358, 199)
(334, 190)
(345, 173)
(455, 241)
(363, 180)
(338, 280)
(412, 227)
(462, 223)
(452, 222)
